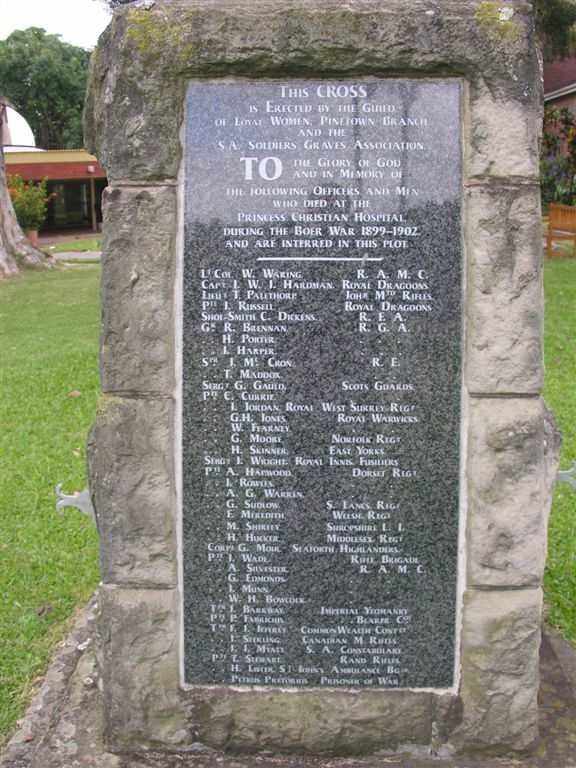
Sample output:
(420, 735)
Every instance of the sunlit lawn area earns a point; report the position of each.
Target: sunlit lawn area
(49, 327)
(48, 562)
(87, 244)
(560, 393)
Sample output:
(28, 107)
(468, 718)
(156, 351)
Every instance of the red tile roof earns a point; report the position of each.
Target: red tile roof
(559, 74)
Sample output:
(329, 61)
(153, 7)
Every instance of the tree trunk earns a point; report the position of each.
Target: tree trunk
(15, 250)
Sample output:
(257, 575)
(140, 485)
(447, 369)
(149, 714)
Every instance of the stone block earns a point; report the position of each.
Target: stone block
(132, 114)
(499, 688)
(137, 637)
(504, 292)
(330, 722)
(130, 463)
(508, 501)
(138, 269)
(504, 140)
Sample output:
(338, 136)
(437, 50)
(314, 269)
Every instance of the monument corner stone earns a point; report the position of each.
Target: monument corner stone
(321, 464)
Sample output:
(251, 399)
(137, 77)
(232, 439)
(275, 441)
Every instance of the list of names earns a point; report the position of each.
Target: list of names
(321, 382)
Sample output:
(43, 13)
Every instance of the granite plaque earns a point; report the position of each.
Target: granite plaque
(321, 382)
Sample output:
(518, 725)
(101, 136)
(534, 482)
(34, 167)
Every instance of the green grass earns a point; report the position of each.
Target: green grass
(49, 326)
(560, 248)
(92, 244)
(560, 393)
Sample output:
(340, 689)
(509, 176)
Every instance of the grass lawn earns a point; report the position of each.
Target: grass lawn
(560, 393)
(49, 326)
(91, 244)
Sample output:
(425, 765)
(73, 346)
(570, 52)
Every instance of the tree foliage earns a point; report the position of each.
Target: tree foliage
(556, 20)
(30, 201)
(45, 80)
(558, 161)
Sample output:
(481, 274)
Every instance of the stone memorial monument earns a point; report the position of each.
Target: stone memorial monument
(320, 462)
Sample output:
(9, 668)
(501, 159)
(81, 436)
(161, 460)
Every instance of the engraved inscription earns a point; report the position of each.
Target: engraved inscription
(321, 382)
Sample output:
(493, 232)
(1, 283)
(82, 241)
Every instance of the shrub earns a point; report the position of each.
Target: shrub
(558, 160)
(30, 201)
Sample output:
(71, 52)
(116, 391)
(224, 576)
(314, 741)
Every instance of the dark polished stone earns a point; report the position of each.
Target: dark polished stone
(321, 382)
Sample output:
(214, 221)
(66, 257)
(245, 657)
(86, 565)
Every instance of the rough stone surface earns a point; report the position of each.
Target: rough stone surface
(130, 459)
(139, 667)
(504, 137)
(138, 260)
(132, 112)
(446, 717)
(333, 722)
(135, 99)
(505, 300)
(501, 639)
(508, 511)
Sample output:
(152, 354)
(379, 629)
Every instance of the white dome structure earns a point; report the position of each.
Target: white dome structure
(17, 135)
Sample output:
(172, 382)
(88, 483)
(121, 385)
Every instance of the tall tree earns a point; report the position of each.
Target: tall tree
(45, 79)
(556, 20)
(15, 249)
